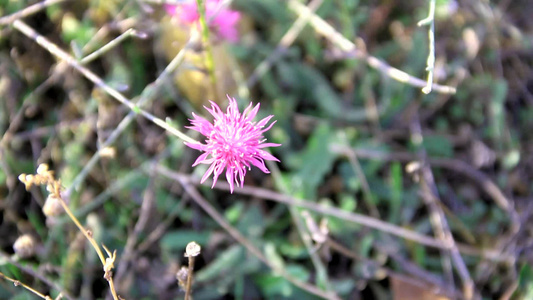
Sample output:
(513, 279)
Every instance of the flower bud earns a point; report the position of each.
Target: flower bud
(52, 206)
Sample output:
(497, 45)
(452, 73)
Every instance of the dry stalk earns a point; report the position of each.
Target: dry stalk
(46, 177)
(191, 251)
(29, 288)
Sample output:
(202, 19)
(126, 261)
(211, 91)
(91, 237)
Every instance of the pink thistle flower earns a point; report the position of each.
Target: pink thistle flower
(233, 142)
(221, 21)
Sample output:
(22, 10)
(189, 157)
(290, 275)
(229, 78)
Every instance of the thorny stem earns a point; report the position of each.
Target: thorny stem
(209, 61)
(430, 20)
(29, 288)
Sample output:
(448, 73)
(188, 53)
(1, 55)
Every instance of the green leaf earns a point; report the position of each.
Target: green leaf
(252, 222)
(223, 264)
(438, 146)
(234, 212)
(178, 240)
(73, 29)
(273, 256)
(315, 161)
(396, 183)
(274, 286)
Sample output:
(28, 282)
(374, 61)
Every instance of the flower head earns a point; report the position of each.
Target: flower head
(221, 21)
(233, 142)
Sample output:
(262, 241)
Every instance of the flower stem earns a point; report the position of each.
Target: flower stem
(209, 61)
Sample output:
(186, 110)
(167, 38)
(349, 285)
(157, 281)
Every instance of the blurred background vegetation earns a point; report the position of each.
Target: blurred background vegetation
(351, 138)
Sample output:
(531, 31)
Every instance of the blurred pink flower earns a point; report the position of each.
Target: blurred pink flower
(223, 24)
(233, 142)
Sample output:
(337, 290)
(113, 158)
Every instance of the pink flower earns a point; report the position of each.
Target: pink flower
(221, 21)
(233, 142)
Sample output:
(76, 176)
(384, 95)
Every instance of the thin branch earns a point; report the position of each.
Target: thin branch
(340, 214)
(113, 43)
(55, 50)
(455, 165)
(147, 94)
(328, 32)
(46, 177)
(211, 211)
(288, 38)
(420, 275)
(321, 270)
(36, 274)
(29, 288)
(430, 196)
(191, 251)
(430, 20)
(121, 25)
(144, 215)
(6, 20)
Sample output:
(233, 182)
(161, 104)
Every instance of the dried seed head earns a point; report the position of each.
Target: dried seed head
(192, 249)
(52, 207)
(24, 246)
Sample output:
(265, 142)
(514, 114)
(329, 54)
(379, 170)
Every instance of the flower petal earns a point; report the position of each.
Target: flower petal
(196, 146)
(201, 159)
(230, 177)
(265, 120)
(265, 155)
(208, 172)
(260, 164)
(268, 145)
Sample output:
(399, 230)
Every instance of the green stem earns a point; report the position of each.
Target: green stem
(209, 60)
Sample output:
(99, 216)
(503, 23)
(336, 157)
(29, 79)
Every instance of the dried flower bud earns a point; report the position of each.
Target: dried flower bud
(181, 276)
(413, 168)
(108, 152)
(27, 180)
(52, 206)
(192, 249)
(42, 169)
(319, 234)
(24, 246)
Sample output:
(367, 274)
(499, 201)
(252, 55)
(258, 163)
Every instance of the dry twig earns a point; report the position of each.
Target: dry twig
(328, 32)
(341, 214)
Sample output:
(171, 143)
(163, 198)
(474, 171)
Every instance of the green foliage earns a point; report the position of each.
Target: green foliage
(335, 113)
(74, 30)
(177, 240)
(313, 163)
